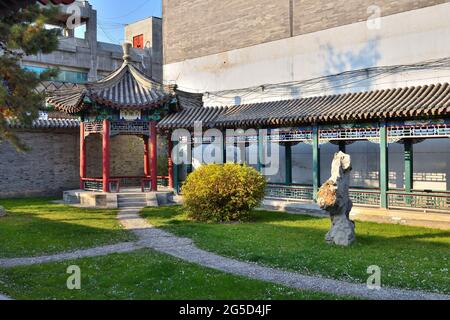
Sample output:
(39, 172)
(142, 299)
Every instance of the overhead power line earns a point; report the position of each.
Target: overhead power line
(130, 12)
(318, 85)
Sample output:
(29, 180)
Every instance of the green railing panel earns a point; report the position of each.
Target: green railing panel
(304, 193)
(431, 201)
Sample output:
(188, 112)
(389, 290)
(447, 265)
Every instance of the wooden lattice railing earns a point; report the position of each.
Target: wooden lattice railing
(368, 197)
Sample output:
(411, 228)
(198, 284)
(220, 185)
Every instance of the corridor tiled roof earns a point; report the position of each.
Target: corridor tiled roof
(188, 115)
(48, 124)
(411, 102)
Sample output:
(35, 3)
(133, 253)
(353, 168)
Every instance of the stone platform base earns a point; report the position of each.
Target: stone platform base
(405, 217)
(123, 199)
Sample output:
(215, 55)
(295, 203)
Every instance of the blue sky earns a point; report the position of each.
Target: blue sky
(112, 15)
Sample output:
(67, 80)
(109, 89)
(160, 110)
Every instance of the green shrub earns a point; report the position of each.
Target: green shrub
(221, 193)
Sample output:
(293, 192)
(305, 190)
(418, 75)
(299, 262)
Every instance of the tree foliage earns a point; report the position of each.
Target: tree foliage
(221, 193)
(23, 33)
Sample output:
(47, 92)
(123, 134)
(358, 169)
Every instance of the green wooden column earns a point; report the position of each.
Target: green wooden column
(260, 151)
(408, 159)
(288, 161)
(342, 146)
(408, 165)
(316, 160)
(224, 146)
(176, 182)
(384, 168)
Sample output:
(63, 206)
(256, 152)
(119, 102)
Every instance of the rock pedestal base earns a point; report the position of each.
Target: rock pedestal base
(342, 231)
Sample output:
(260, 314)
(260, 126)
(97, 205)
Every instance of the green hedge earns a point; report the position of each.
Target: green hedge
(221, 193)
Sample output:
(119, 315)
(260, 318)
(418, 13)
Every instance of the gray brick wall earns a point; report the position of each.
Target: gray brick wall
(52, 165)
(195, 28)
(314, 15)
(48, 168)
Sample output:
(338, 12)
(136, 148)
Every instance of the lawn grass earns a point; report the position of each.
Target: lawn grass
(409, 257)
(141, 275)
(37, 226)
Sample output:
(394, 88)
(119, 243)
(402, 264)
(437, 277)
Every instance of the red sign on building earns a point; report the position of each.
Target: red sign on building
(138, 41)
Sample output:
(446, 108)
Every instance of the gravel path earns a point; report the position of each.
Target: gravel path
(183, 248)
(92, 252)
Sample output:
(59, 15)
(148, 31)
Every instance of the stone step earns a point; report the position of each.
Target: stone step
(132, 196)
(131, 199)
(137, 200)
(144, 202)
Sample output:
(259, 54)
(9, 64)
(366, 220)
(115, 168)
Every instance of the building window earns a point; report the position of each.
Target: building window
(138, 41)
(63, 76)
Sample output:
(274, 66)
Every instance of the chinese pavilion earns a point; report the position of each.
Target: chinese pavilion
(126, 102)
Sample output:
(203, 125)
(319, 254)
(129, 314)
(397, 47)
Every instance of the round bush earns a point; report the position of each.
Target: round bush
(221, 193)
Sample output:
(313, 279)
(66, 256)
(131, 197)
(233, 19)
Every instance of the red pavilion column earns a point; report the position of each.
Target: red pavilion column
(153, 156)
(106, 154)
(170, 160)
(146, 157)
(82, 156)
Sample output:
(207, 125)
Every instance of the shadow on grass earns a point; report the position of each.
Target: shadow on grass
(36, 227)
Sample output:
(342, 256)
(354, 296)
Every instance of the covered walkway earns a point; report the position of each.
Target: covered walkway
(398, 140)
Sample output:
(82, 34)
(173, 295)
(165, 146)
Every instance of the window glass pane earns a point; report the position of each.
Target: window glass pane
(251, 155)
(277, 171)
(396, 166)
(302, 164)
(432, 165)
(365, 163)
(63, 76)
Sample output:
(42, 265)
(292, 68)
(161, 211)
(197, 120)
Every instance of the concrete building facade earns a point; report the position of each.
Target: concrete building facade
(147, 35)
(246, 44)
(87, 59)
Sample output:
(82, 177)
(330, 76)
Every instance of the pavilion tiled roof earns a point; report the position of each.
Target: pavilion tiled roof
(410, 102)
(125, 88)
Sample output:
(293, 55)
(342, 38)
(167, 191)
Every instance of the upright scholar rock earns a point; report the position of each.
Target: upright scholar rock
(333, 197)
